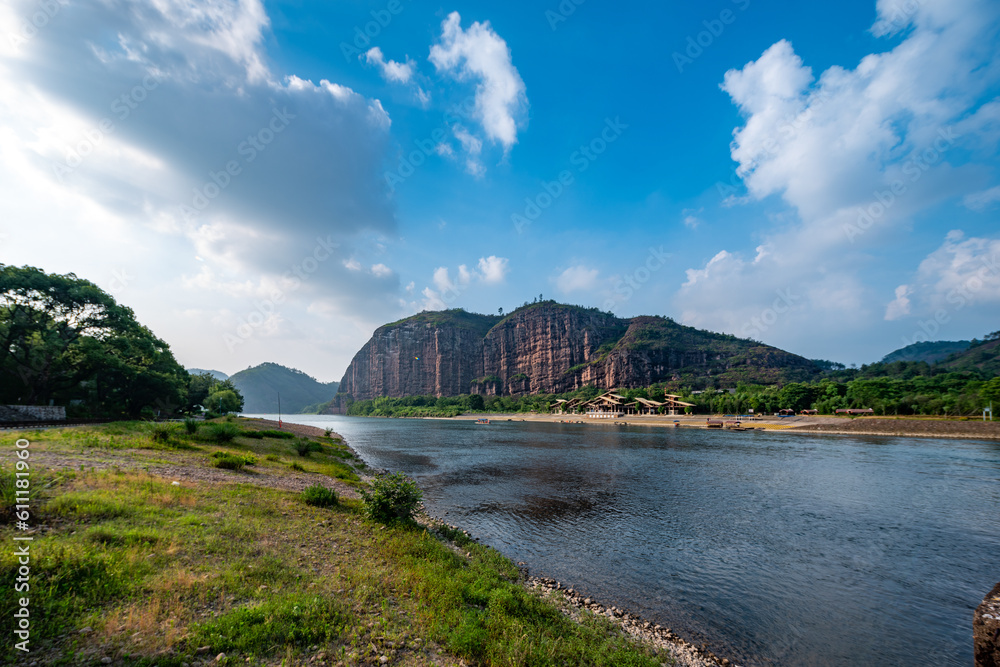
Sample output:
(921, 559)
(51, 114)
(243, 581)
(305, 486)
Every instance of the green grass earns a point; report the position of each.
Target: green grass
(157, 570)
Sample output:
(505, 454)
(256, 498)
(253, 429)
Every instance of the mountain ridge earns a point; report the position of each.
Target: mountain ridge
(548, 347)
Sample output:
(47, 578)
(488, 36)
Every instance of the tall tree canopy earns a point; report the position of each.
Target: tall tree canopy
(65, 340)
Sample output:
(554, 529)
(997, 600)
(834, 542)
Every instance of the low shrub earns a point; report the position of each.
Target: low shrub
(224, 432)
(161, 433)
(297, 466)
(304, 446)
(191, 426)
(320, 496)
(231, 461)
(391, 498)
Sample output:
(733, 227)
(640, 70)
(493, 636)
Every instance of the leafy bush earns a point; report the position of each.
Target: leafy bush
(297, 466)
(231, 461)
(161, 433)
(304, 446)
(392, 498)
(191, 426)
(224, 432)
(269, 433)
(320, 496)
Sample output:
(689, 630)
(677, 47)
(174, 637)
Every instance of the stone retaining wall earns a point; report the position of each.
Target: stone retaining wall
(32, 412)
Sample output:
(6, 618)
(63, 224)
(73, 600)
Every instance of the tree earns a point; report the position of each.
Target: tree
(990, 391)
(476, 402)
(63, 339)
(223, 397)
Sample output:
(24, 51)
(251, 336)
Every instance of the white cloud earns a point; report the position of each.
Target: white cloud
(900, 306)
(390, 69)
(489, 271)
(479, 53)
(472, 146)
(857, 155)
(381, 271)
(577, 279)
(140, 108)
(690, 217)
(978, 201)
(962, 272)
(493, 269)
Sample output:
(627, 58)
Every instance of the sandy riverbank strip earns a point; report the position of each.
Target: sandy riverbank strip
(885, 426)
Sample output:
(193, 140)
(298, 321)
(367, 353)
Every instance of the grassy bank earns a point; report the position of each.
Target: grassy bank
(129, 567)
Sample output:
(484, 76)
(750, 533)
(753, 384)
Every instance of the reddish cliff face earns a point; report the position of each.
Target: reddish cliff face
(533, 350)
(416, 357)
(551, 348)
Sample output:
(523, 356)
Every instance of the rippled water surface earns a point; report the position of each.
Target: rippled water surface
(775, 549)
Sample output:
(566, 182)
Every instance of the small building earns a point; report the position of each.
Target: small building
(606, 406)
(855, 412)
(809, 412)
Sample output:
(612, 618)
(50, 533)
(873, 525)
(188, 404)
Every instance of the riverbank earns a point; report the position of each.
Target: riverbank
(146, 552)
(929, 427)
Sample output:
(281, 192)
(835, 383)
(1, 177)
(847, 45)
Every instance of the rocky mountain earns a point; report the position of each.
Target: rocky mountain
(931, 352)
(549, 347)
(261, 386)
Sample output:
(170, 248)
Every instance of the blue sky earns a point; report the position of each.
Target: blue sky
(271, 182)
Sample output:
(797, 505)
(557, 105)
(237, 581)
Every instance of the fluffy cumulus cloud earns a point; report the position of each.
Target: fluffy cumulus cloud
(390, 69)
(154, 140)
(447, 289)
(577, 279)
(856, 155)
(963, 272)
(481, 55)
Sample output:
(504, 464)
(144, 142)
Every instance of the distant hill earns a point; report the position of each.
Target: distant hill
(983, 355)
(218, 375)
(300, 393)
(931, 352)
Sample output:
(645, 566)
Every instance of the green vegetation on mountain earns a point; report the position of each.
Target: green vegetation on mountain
(261, 386)
(982, 355)
(454, 317)
(218, 375)
(931, 352)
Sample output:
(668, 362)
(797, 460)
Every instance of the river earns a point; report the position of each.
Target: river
(772, 548)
